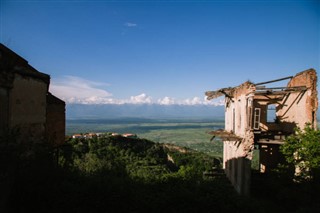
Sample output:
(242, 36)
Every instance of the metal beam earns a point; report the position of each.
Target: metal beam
(283, 88)
(280, 79)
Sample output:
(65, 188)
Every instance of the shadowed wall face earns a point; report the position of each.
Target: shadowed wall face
(4, 108)
(28, 107)
(25, 109)
(55, 123)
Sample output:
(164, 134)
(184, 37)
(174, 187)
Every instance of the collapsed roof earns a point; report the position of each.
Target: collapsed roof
(258, 89)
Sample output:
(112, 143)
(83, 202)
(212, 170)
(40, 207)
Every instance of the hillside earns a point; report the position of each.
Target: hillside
(116, 174)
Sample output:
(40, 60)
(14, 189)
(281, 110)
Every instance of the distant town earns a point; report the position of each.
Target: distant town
(99, 135)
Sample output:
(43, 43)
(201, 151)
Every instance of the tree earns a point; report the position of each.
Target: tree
(302, 149)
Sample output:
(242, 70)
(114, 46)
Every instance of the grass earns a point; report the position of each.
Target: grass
(194, 138)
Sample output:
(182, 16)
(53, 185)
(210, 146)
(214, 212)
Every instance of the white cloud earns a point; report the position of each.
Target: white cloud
(75, 89)
(190, 101)
(78, 90)
(215, 102)
(130, 24)
(140, 99)
(193, 101)
(166, 101)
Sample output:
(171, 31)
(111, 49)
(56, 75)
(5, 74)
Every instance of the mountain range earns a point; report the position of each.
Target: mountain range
(154, 111)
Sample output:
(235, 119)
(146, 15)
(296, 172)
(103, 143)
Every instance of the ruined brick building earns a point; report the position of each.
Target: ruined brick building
(261, 117)
(26, 106)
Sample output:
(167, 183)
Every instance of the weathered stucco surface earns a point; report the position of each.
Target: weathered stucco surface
(237, 154)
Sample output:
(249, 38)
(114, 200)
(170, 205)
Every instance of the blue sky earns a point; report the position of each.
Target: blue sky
(160, 51)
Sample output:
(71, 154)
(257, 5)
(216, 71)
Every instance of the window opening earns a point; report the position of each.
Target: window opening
(256, 123)
(271, 113)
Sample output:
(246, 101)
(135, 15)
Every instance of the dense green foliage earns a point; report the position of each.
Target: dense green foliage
(303, 150)
(116, 174)
(295, 192)
(139, 159)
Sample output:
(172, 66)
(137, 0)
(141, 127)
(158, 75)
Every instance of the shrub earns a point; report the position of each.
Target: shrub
(303, 151)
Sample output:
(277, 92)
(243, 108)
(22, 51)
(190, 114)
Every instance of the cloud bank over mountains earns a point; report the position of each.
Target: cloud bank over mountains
(146, 111)
(76, 90)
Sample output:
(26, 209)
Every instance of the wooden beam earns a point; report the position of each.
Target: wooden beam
(213, 94)
(270, 141)
(224, 135)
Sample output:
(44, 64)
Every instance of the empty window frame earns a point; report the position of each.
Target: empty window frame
(256, 118)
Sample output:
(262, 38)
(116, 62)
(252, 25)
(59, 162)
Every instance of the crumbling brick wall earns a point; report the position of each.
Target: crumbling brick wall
(301, 107)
